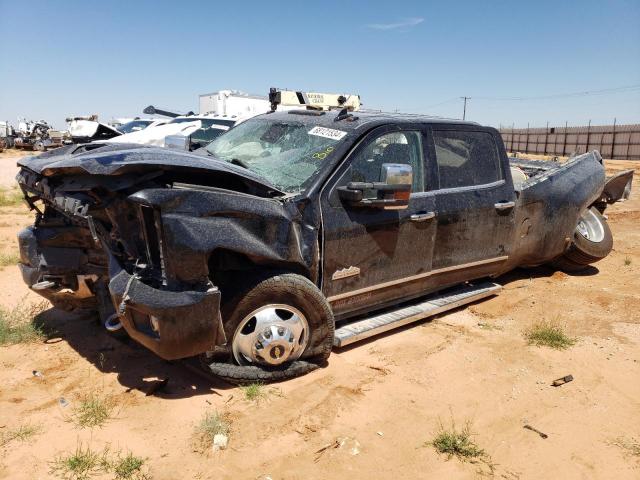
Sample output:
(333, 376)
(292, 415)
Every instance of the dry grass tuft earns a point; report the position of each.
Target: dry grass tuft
(210, 425)
(93, 410)
(452, 442)
(22, 324)
(8, 259)
(254, 392)
(548, 334)
(82, 464)
(85, 463)
(11, 198)
(21, 434)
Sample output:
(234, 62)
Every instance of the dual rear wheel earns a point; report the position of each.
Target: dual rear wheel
(592, 241)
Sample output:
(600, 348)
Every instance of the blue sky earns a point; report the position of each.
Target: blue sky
(115, 57)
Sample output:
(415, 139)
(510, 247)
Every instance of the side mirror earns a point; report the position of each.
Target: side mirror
(392, 193)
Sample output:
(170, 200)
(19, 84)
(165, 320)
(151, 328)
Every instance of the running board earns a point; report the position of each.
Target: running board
(440, 302)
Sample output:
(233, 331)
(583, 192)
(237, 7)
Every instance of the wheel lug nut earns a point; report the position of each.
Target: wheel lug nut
(280, 331)
(267, 334)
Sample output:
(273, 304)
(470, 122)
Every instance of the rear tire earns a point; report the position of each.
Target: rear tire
(592, 241)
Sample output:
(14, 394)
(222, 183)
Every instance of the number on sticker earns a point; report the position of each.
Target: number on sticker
(327, 133)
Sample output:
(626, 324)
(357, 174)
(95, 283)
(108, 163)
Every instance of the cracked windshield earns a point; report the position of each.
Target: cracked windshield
(287, 154)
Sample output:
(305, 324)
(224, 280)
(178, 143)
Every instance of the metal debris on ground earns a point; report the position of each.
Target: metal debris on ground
(324, 448)
(38, 373)
(63, 402)
(382, 370)
(542, 434)
(562, 380)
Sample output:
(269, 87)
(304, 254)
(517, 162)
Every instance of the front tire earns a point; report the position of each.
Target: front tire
(592, 241)
(277, 327)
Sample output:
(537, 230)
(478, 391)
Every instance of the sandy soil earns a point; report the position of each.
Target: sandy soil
(390, 394)
(8, 168)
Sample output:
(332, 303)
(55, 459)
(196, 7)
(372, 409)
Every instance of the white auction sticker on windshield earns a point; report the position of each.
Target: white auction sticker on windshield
(327, 133)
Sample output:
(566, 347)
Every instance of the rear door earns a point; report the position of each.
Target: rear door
(373, 256)
(475, 203)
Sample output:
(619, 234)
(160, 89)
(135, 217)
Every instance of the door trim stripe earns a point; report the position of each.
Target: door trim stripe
(415, 277)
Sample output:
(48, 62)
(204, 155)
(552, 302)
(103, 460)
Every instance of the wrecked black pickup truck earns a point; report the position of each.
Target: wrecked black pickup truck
(298, 231)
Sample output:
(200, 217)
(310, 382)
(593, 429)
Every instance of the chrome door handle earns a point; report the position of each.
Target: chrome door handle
(422, 217)
(504, 205)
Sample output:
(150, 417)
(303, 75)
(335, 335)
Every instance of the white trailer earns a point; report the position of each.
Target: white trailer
(233, 104)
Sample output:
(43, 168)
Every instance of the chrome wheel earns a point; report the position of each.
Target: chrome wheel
(590, 227)
(270, 335)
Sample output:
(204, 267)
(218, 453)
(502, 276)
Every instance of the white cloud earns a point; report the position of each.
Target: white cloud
(401, 24)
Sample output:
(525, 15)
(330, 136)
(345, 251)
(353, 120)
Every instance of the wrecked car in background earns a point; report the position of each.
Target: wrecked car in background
(88, 129)
(183, 132)
(138, 124)
(298, 231)
(37, 135)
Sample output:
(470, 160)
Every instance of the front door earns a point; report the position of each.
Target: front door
(373, 256)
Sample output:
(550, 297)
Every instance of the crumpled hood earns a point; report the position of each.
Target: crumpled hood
(119, 159)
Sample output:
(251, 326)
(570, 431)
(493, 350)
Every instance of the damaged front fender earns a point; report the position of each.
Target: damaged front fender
(171, 324)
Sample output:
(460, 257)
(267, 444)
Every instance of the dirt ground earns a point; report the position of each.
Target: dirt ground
(389, 394)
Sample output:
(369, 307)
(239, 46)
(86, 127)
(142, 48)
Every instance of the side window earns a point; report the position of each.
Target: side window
(205, 135)
(393, 147)
(466, 158)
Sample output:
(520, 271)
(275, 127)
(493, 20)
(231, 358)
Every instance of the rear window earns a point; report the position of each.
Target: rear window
(466, 158)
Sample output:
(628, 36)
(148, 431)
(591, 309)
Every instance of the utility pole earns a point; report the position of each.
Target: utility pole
(464, 109)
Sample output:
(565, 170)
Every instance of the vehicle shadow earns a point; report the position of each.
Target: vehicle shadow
(540, 272)
(504, 280)
(136, 367)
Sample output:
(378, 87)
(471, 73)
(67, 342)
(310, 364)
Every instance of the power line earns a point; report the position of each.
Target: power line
(441, 103)
(603, 91)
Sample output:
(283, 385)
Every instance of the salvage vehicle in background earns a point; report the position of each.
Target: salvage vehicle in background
(7, 134)
(37, 135)
(138, 124)
(183, 132)
(299, 231)
(85, 129)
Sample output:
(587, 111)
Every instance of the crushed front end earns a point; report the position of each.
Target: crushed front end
(92, 246)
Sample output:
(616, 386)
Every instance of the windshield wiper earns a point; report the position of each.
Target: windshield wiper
(237, 161)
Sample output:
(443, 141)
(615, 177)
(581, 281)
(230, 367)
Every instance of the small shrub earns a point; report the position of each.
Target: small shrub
(21, 324)
(627, 261)
(93, 410)
(548, 334)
